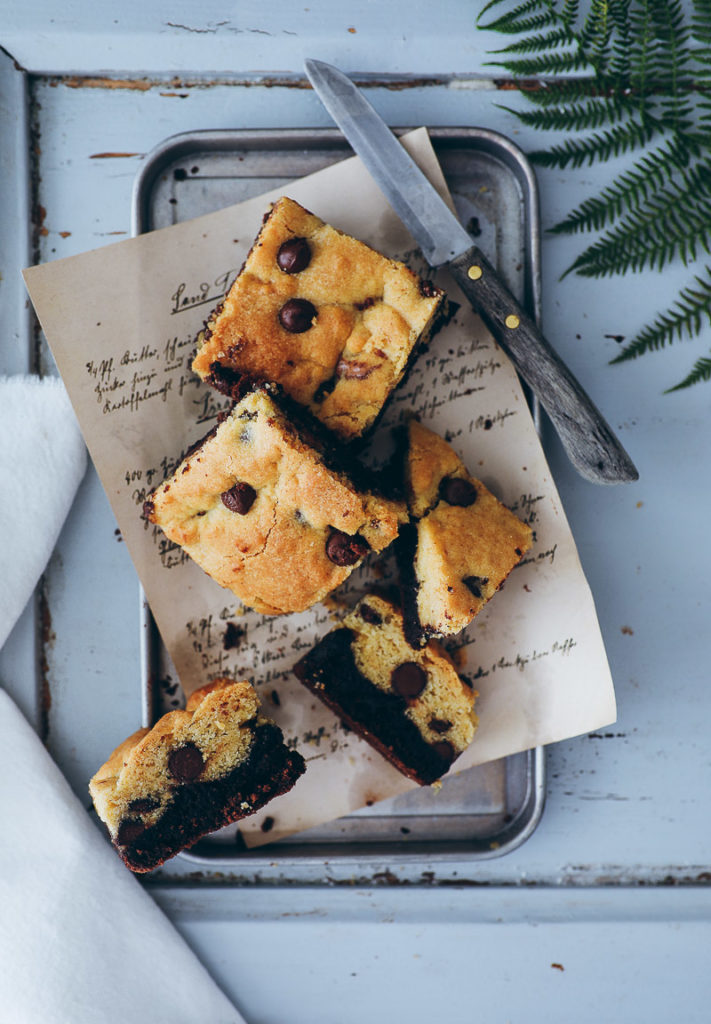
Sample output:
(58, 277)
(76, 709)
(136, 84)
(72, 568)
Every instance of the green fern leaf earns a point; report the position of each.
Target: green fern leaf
(647, 88)
(594, 112)
(601, 146)
(521, 19)
(548, 64)
(674, 222)
(627, 192)
(701, 371)
(537, 43)
(684, 319)
(558, 93)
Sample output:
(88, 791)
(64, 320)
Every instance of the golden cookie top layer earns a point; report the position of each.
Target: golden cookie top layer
(202, 743)
(467, 541)
(439, 703)
(329, 319)
(258, 508)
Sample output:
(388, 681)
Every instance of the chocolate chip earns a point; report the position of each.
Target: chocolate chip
(294, 256)
(475, 584)
(370, 615)
(129, 831)
(440, 724)
(429, 290)
(268, 824)
(345, 550)
(457, 491)
(445, 750)
(143, 805)
(185, 764)
(239, 498)
(408, 679)
(297, 315)
(365, 304)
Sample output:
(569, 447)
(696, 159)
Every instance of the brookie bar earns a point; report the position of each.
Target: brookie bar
(460, 544)
(330, 320)
(411, 706)
(260, 508)
(193, 772)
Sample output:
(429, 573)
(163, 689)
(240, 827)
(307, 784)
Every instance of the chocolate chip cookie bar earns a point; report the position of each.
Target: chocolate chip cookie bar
(460, 545)
(193, 772)
(259, 507)
(329, 319)
(411, 706)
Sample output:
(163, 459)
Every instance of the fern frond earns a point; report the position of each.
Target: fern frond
(619, 62)
(674, 222)
(701, 371)
(646, 87)
(641, 56)
(673, 58)
(521, 19)
(601, 146)
(625, 193)
(701, 34)
(595, 35)
(592, 113)
(558, 93)
(683, 320)
(537, 43)
(545, 65)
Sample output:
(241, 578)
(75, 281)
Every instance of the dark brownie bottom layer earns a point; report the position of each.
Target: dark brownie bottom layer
(405, 551)
(202, 807)
(329, 670)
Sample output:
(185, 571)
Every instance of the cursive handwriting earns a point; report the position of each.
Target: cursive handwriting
(198, 295)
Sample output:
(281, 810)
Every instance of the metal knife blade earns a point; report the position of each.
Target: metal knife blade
(588, 440)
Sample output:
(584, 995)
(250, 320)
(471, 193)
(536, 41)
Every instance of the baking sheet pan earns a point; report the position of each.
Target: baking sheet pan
(485, 811)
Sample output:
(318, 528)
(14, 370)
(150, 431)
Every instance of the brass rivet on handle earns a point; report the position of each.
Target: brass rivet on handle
(512, 321)
(474, 272)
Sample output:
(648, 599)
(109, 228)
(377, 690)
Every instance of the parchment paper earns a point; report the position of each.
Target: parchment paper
(121, 323)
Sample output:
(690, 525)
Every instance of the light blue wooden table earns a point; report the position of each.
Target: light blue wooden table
(604, 914)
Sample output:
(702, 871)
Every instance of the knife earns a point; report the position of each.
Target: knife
(588, 440)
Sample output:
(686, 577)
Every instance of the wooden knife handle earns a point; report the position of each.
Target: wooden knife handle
(590, 443)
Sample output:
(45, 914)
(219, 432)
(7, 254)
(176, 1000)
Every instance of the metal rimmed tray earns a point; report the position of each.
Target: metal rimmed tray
(483, 812)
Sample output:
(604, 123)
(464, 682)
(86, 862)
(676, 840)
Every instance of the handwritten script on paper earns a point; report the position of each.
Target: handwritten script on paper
(534, 652)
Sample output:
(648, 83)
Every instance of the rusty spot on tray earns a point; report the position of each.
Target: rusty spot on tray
(558, 967)
(627, 630)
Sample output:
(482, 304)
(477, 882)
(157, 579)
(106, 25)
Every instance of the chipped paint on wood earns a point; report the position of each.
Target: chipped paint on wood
(111, 156)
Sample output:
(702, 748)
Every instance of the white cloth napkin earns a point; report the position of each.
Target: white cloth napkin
(42, 460)
(81, 942)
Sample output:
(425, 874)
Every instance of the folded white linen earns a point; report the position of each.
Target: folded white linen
(42, 461)
(81, 942)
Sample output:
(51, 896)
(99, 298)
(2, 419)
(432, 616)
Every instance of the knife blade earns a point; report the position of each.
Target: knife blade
(588, 440)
